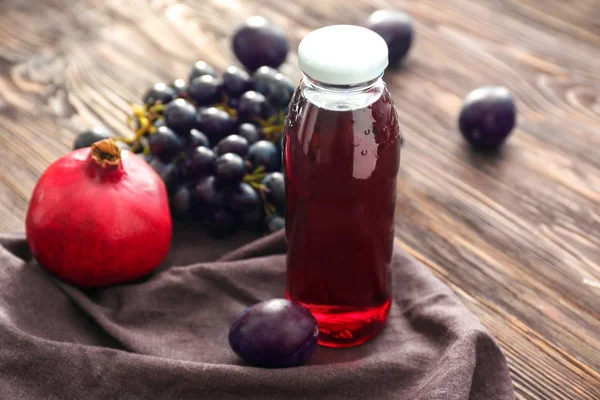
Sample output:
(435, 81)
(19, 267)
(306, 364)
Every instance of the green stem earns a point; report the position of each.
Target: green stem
(255, 179)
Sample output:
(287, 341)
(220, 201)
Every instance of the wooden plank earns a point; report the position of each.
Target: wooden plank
(516, 235)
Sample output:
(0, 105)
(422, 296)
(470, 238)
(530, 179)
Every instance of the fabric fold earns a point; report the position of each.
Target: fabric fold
(165, 337)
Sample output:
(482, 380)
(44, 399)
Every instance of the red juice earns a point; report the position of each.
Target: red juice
(341, 152)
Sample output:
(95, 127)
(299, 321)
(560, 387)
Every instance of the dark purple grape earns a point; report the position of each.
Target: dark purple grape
(200, 161)
(180, 86)
(181, 201)
(487, 117)
(252, 106)
(258, 42)
(91, 136)
(215, 124)
(183, 173)
(207, 194)
(275, 333)
(242, 199)
(274, 223)
(282, 92)
(230, 168)
(396, 28)
(201, 68)
(275, 193)
(205, 90)
(233, 144)
(165, 144)
(236, 81)
(196, 139)
(263, 78)
(180, 116)
(250, 132)
(159, 94)
(264, 153)
(253, 219)
(276, 87)
(167, 172)
(220, 223)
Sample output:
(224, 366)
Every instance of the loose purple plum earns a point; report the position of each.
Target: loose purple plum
(276, 333)
(487, 117)
(258, 42)
(396, 28)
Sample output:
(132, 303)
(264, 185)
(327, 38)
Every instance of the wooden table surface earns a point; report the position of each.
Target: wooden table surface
(516, 234)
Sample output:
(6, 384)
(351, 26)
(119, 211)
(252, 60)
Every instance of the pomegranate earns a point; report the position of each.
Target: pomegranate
(99, 216)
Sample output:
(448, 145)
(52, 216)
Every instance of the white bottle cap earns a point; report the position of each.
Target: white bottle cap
(343, 55)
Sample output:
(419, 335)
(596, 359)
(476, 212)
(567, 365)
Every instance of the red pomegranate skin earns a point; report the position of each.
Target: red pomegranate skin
(94, 226)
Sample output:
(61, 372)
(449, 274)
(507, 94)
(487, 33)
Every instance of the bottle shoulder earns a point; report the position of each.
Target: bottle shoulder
(370, 111)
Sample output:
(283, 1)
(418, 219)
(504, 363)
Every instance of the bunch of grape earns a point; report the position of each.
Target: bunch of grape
(216, 140)
(216, 143)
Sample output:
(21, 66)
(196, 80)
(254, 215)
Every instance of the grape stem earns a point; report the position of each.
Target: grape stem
(141, 121)
(273, 127)
(224, 105)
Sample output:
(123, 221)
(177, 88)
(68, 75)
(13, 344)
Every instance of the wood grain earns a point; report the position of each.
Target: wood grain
(515, 234)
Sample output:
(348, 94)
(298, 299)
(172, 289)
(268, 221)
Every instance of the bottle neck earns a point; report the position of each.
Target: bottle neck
(341, 88)
(342, 97)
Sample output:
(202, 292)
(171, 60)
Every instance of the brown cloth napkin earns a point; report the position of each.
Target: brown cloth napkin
(166, 337)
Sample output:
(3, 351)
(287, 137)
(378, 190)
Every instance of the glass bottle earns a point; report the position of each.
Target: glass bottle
(341, 152)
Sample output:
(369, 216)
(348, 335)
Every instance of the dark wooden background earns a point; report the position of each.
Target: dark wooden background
(516, 235)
